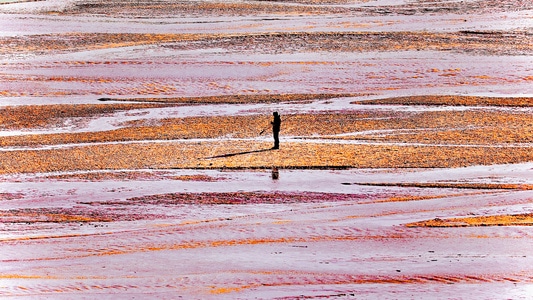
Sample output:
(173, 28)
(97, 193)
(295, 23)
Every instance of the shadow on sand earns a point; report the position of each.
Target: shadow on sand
(239, 153)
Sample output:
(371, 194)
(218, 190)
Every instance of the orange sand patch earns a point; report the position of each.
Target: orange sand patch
(19, 276)
(420, 198)
(500, 220)
(291, 155)
(444, 127)
(43, 217)
(227, 290)
(203, 178)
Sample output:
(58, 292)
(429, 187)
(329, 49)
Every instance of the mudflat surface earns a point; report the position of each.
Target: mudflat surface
(135, 156)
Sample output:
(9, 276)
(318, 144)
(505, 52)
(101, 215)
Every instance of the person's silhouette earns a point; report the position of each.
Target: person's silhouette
(276, 127)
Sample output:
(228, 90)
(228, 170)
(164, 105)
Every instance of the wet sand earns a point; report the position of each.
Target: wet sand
(135, 156)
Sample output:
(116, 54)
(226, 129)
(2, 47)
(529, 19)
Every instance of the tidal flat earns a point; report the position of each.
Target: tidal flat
(136, 160)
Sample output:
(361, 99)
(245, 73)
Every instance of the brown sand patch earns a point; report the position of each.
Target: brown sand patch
(240, 198)
(236, 99)
(290, 42)
(499, 220)
(117, 176)
(282, 42)
(45, 43)
(39, 116)
(453, 101)
(185, 8)
(105, 176)
(120, 9)
(11, 196)
(79, 214)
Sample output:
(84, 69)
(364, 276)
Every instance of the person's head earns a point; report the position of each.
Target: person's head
(275, 114)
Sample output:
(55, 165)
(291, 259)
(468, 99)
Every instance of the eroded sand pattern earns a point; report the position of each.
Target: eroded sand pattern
(135, 156)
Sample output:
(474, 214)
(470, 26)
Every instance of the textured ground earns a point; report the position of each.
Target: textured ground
(135, 156)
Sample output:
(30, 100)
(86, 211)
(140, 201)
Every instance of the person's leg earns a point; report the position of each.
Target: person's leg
(276, 140)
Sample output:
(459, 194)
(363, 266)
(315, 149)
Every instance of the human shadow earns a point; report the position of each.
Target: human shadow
(238, 153)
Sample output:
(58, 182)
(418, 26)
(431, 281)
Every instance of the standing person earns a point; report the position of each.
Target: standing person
(276, 126)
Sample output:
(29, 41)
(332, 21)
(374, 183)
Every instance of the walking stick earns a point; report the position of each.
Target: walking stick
(263, 131)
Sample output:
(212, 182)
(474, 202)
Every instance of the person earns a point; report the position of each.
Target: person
(276, 127)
